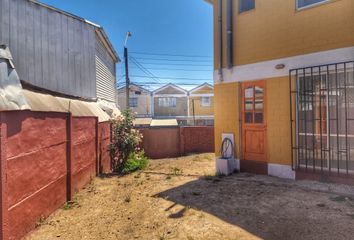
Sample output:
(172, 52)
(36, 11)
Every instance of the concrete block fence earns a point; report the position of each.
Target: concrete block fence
(166, 142)
(45, 158)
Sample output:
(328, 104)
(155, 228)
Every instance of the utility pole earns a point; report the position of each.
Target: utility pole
(127, 80)
(193, 109)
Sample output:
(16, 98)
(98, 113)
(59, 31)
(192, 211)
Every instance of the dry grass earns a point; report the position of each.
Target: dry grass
(183, 199)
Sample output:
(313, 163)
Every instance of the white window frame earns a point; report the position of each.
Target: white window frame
(167, 102)
(204, 103)
(133, 99)
(311, 5)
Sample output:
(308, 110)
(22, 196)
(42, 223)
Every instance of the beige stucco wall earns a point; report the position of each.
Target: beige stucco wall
(144, 102)
(181, 108)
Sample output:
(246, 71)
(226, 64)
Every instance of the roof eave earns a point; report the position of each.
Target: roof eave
(109, 45)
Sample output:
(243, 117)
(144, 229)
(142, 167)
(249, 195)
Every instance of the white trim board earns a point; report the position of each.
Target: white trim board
(170, 95)
(200, 87)
(266, 69)
(202, 95)
(183, 91)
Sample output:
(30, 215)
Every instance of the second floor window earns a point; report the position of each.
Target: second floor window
(167, 102)
(133, 102)
(246, 5)
(306, 3)
(205, 101)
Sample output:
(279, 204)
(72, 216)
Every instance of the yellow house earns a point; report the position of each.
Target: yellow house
(201, 105)
(284, 85)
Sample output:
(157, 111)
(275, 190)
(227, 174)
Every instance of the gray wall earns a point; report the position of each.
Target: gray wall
(50, 50)
(106, 72)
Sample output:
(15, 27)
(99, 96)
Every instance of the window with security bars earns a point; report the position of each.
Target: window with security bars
(322, 101)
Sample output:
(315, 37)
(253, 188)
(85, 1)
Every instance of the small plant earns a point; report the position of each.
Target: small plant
(70, 205)
(128, 197)
(176, 171)
(196, 158)
(42, 221)
(136, 161)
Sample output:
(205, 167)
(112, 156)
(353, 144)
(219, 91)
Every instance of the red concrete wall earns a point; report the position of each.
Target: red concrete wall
(198, 139)
(161, 142)
(84, 151)
(104, 130)
(38, 150)
(36, 167)
(177, 141)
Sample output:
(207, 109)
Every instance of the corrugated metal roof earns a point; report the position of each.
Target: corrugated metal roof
(49, 103)
(164, 123)
(142, 121)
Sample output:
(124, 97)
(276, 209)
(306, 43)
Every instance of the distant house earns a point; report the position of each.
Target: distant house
(139, 100)
(59, 54)
(171, 101)
(201, 105)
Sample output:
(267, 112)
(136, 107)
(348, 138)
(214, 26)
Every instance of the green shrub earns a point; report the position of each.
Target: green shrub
(136, 161)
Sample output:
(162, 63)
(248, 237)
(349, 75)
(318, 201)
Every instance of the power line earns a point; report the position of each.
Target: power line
(141, 67)
(175, 78)
(178, 69)
(154, 83)
(177, 64)
(172, 55)
(173, 60)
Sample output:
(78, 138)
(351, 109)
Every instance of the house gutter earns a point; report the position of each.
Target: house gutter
(229, 34)
(220, 40)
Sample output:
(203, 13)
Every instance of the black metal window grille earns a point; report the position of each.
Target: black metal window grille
(322, 118)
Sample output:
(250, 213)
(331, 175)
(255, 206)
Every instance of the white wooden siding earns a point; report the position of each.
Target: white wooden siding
(105, 74)
(50, 50)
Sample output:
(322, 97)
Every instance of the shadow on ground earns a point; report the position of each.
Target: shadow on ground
(272, 209)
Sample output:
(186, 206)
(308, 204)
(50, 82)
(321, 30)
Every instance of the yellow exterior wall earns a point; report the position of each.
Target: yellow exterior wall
(226, 113)
(278, 121)
(227, 118)
(275, 29)
(199, 110)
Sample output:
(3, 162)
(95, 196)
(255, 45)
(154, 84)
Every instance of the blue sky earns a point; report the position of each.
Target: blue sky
(163, 27)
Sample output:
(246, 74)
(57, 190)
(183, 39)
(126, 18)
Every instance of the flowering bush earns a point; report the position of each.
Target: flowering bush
(125, 140)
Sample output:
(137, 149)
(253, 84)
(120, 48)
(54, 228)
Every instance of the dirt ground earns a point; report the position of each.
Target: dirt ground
(182, 199)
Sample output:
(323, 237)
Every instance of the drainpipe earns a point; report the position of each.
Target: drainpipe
(229, 34)
(220, 40)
